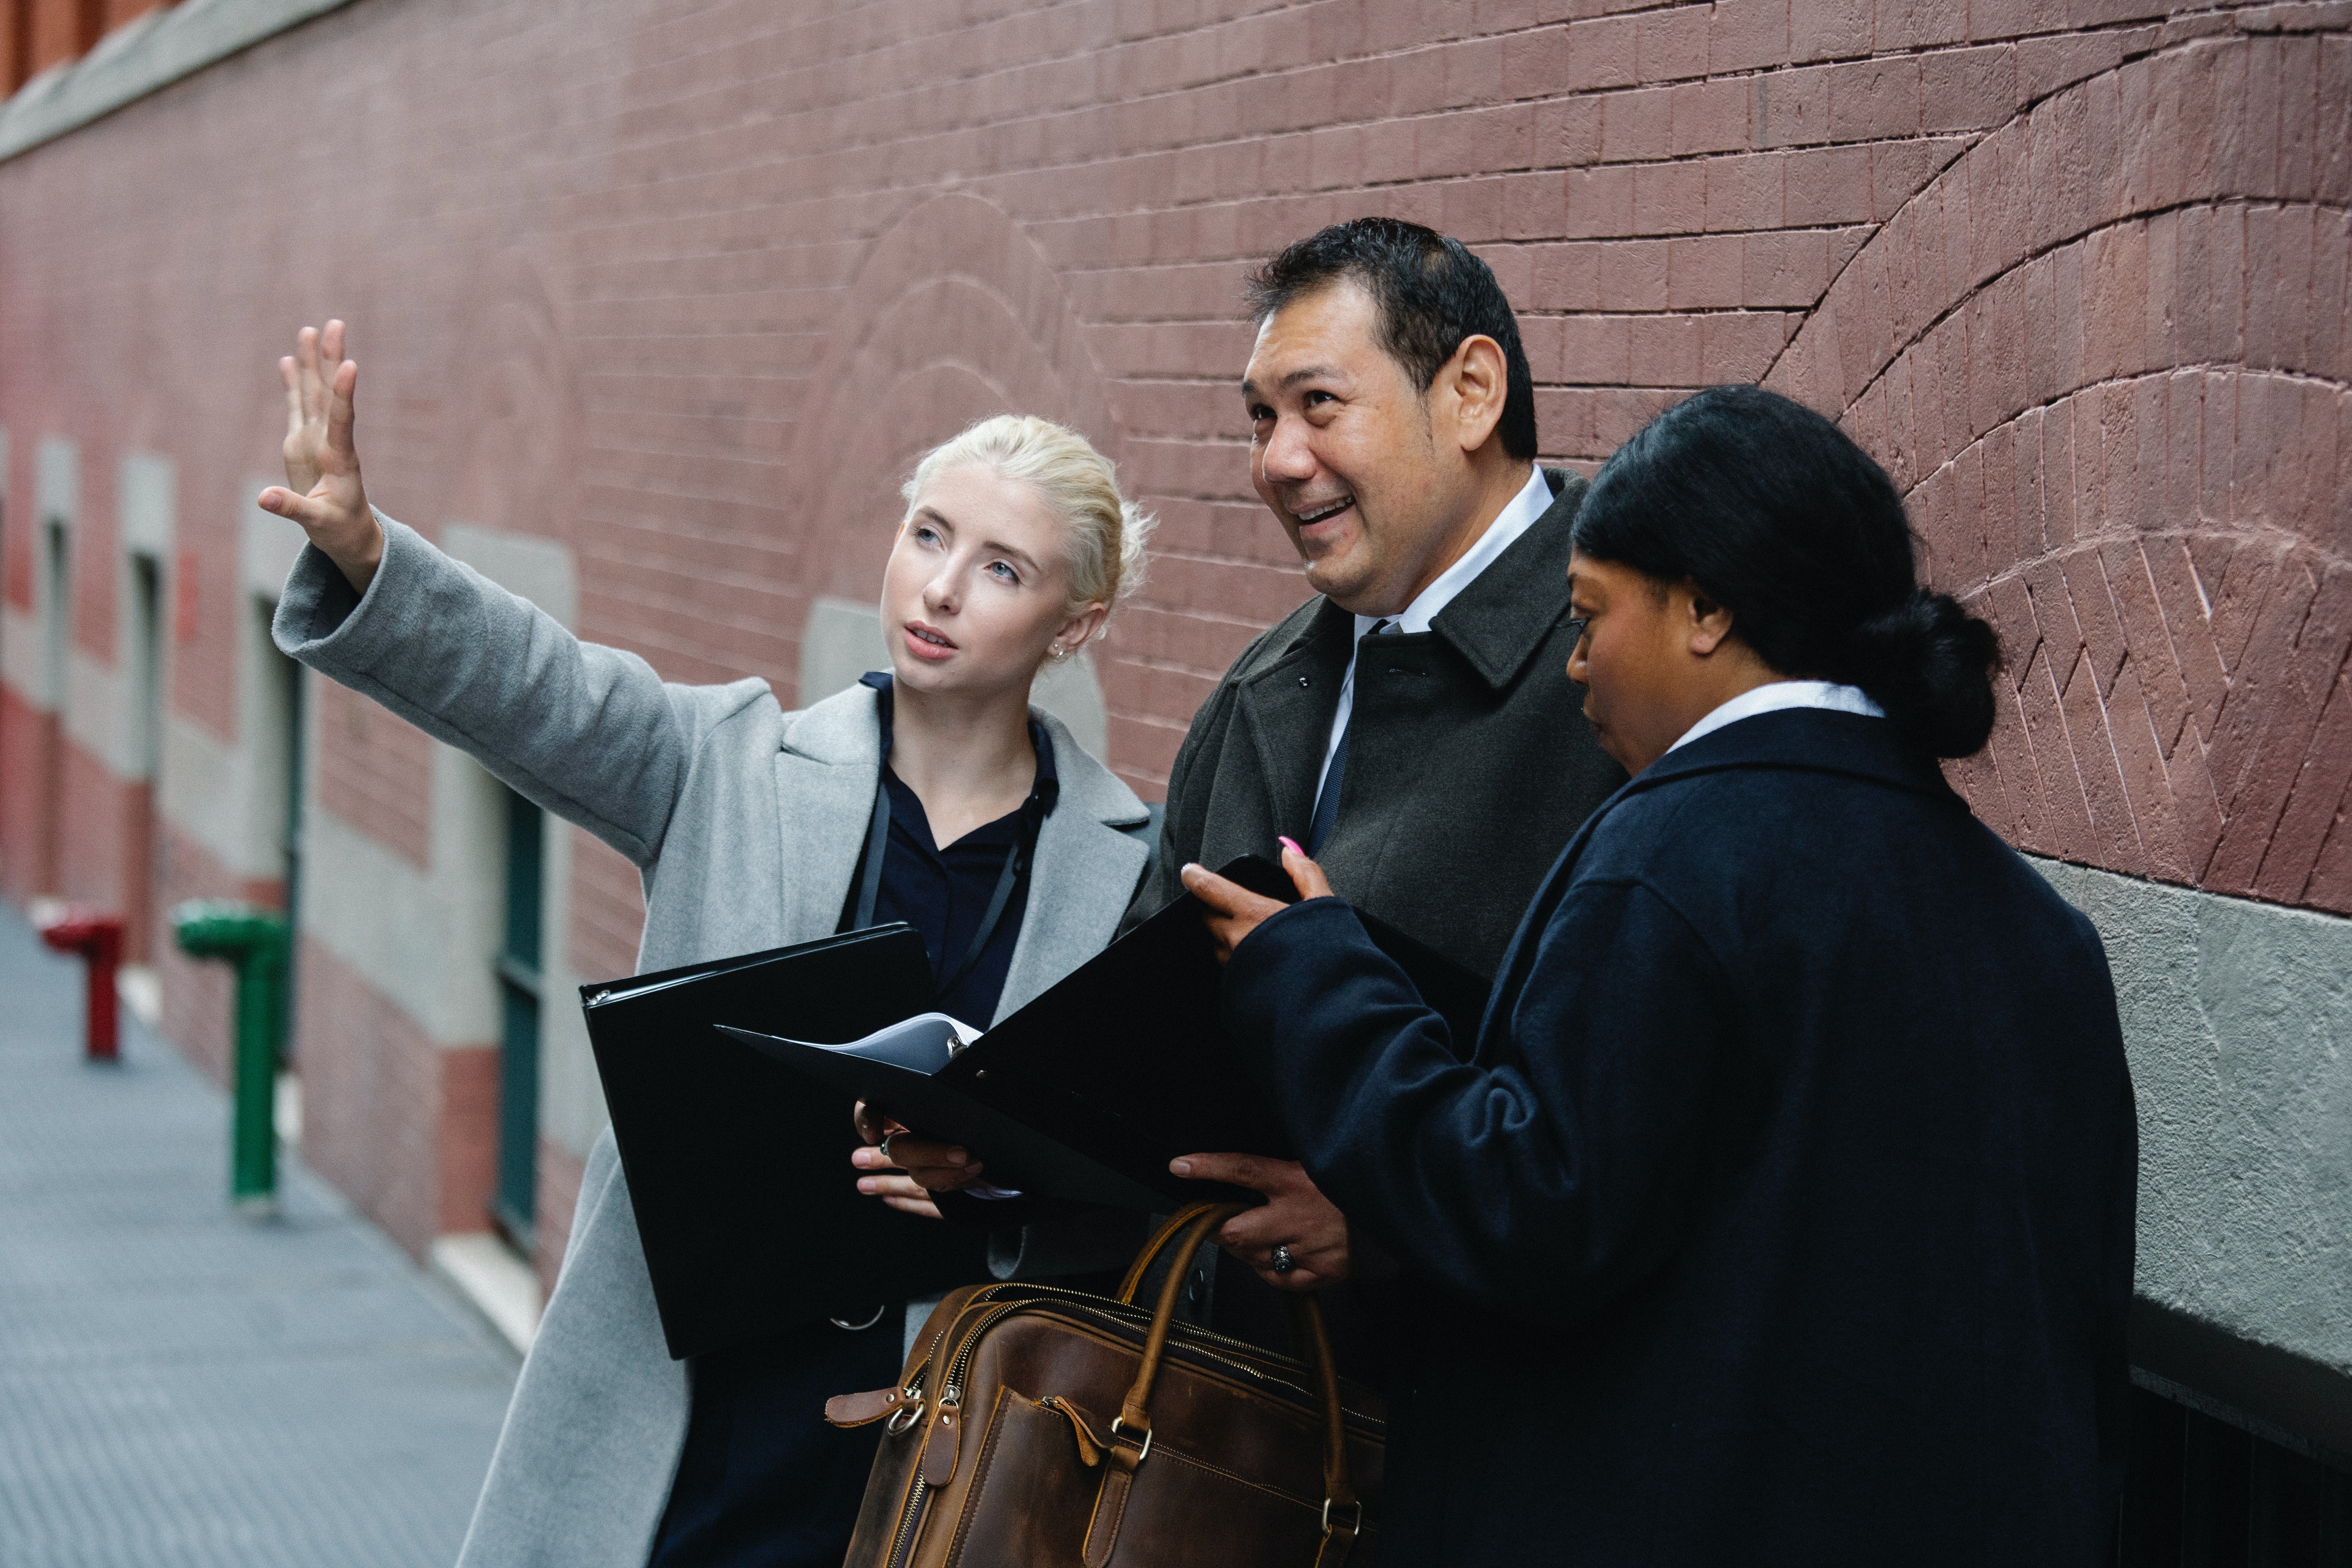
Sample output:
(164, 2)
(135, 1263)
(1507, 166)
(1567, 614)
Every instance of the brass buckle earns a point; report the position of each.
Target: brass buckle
(1146, 1452)
(1354, 1526)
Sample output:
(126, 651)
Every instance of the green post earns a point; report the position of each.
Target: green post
(253, 940)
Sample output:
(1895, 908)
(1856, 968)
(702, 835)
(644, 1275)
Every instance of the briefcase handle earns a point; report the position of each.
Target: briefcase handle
(1174, 1227)
(1342, 1513)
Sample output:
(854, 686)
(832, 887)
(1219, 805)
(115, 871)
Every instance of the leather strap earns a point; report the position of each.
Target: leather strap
(1135, 1414)
(1342, 1513)
(1168, 1232)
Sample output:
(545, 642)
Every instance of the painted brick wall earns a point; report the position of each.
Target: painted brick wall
(686, 287)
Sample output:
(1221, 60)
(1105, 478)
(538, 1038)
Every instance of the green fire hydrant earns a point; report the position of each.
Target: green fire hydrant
(253, 940)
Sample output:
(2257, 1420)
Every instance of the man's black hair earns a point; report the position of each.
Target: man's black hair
(1431, 292)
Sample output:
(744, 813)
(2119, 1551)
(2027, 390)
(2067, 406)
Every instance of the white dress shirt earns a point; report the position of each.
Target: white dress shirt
(1776, 695)
(1519, 515)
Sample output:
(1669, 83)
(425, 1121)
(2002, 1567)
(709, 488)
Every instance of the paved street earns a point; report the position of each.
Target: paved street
(181, 1386)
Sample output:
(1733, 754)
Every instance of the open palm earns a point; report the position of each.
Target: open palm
(323, 492)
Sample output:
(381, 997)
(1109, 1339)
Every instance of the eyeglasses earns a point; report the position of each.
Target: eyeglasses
(1576, 626)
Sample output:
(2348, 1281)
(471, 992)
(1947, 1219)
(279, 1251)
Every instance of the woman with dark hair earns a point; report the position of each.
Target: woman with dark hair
(1783, 1211)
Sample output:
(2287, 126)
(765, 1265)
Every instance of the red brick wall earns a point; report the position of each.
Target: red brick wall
(686, 287)
(28, 737)
(407, 1129)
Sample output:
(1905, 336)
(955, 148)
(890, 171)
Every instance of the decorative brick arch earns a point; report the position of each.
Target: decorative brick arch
(511, 418)
(954, 315)
(2106, 355)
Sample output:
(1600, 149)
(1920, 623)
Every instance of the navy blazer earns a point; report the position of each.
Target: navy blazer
(1783, 1212)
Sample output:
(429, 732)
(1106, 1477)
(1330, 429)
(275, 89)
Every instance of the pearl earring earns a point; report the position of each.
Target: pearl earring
(1058, 651)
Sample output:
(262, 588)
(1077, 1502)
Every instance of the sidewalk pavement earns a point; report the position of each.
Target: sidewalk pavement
(180, 1387)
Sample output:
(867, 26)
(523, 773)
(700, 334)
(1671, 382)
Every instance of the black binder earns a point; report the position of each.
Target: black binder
(734, 1123)
(1088, 1091)
(738, 1166)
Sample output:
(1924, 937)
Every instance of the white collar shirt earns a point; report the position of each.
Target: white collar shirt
(1519, 514)
(1774, 696)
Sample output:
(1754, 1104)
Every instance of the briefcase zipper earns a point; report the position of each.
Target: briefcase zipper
(903, 1543)
(1188, 1337)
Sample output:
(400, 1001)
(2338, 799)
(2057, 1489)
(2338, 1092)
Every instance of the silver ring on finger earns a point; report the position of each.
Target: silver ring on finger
(888, 1158)
(1283, 1262)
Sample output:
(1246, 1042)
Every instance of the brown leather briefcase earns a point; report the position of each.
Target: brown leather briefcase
(1036, 1425)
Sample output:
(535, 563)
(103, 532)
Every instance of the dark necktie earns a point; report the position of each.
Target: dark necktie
(1327, 804)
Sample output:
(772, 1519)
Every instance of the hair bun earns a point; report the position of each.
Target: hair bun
(1929, 664)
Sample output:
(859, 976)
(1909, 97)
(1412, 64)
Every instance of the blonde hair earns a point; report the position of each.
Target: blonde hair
(1078, 485)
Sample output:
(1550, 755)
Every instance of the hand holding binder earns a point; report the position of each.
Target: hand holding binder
(730, 1091)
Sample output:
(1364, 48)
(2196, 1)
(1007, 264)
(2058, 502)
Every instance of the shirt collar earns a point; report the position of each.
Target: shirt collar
(1044, 792)
(1519, 514)
(1774, 696)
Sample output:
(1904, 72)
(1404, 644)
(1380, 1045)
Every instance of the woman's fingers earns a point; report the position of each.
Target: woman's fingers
(934, 1166)
(313, 515)
(1305, 874)
(1221, 896)
(900, 1193)
(1254, 1172)
(339, 419)
(306, 369)
(1295, 1218)
(1233, 911)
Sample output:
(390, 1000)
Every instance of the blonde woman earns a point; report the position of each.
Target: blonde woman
(750, 826)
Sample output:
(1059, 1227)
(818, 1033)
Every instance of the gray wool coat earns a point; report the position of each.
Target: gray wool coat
(746, 822)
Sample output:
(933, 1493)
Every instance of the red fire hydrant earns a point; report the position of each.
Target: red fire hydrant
(96, 938)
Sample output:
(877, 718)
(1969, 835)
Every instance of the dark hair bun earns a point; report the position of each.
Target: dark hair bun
(1929, 664)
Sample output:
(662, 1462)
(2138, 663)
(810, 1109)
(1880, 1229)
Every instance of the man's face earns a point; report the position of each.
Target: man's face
(1341, 449)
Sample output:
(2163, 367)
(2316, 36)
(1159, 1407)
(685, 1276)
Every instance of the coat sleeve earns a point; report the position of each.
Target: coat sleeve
(592, 734)
(1558, 1167)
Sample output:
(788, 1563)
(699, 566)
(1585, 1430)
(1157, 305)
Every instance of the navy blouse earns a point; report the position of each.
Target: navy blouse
(764, 1482)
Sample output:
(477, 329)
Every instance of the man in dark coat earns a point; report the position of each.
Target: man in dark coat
(1393, 438)
(1413, 725)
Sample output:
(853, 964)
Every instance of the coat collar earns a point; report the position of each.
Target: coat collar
(1497, 622)
(827, 768)
(1809, 740)
(845, 731)
(1494, 622)
(1804, 740)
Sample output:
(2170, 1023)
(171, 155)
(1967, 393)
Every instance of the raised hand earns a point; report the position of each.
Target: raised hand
(322, 465)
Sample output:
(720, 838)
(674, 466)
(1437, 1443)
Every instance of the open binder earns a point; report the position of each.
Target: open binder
(730, 1094)
(1088, 1091)
(738, 1166)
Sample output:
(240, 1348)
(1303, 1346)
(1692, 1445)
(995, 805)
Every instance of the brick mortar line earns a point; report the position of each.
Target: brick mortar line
(1045, 119)
(2288, 543)
(2204, 203)
(2290, 548)
(1873, 55)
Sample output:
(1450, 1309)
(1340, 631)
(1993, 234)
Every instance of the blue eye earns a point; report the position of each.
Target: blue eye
(1005, 573)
